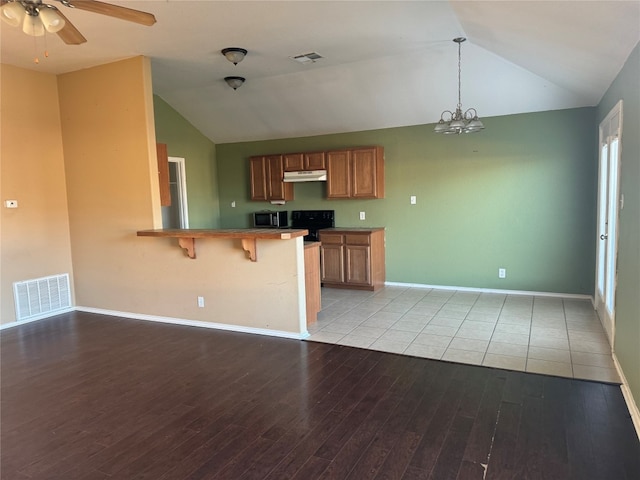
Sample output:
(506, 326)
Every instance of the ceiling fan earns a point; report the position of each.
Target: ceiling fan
(36, 17)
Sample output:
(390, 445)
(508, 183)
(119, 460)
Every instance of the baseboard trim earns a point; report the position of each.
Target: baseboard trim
(36, 318)
(197, 323)
(492, 290)
(628, 397)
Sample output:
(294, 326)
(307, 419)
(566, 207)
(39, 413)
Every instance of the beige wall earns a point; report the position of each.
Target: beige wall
(35, 236)
(109, 145)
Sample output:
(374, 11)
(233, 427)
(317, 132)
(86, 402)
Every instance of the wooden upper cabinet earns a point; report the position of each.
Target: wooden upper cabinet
(356, 173)
(163, 174)
(339, 174)
(258, 178)
(367, 166)
(297, 162)
(351, 173)
(266, 179)
(278, 190)
(314, 161)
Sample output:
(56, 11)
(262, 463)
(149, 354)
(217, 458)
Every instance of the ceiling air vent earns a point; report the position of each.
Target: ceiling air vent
(310, 57)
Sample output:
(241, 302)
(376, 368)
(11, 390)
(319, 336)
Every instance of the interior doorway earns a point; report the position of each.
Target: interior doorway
(609, 203)
(176, 215)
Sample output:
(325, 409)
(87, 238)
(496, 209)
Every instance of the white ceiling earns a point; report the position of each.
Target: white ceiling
(386, 63)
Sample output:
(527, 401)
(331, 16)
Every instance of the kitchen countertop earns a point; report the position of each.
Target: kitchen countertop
(351, 229)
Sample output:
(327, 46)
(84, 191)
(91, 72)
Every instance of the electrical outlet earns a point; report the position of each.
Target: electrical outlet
(11, 203)
(201, 302)
(362, 216)
(502, 273)
(233, 204)
(412, 199)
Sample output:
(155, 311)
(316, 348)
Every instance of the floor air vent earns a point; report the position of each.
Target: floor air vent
(41, 296)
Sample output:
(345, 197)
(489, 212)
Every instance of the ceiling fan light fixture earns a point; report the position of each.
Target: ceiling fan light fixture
(234, 82)
(459, 122)
(13, 13)
(51, 20)
(234, 54)
(33, 26)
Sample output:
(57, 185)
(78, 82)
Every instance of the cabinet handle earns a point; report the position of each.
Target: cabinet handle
(604, 236)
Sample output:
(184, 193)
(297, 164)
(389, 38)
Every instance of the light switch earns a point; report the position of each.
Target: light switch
(412, 199)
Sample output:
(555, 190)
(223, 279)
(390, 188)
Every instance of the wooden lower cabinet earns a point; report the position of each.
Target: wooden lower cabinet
(312, 280)
(352, 258)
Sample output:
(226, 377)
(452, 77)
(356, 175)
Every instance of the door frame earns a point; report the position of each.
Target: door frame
(609, 128)
(181, 181)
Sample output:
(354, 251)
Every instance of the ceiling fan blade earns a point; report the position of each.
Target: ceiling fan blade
(123, 13)
(69, 33)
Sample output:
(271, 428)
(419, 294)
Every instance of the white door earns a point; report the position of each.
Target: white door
(176, 215)
(610, 132)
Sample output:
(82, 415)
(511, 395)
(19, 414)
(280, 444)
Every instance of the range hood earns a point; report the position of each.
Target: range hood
(306, 176)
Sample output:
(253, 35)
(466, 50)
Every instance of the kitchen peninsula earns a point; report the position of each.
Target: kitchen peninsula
(220, 288)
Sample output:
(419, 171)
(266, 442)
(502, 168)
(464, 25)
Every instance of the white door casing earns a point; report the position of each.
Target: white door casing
(177, 214)
(610, 133)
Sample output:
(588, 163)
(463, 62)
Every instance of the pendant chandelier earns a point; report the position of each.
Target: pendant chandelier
(458, 122)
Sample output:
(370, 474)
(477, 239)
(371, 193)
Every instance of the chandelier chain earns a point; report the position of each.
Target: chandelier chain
(459, 75)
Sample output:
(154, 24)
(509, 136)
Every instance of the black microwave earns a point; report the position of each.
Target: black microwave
(270, 219)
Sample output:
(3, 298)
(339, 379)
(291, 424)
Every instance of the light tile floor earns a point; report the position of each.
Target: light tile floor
(548, 335)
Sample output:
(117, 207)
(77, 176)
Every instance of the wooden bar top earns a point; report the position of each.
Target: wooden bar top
(258, 233)
(248, 236)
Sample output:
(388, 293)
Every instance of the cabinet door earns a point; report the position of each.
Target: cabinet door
(293, 162)
(258, 178)
(163, 174)
(364, 173)
(277, 189)
(357, 264)
(338, 174)
(314, 161)
(331, 263)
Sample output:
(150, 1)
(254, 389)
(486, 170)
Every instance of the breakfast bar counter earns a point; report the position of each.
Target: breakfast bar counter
(248, 236)
(221, 289)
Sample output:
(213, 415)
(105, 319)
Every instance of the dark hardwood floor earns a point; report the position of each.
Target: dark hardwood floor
(87, 396)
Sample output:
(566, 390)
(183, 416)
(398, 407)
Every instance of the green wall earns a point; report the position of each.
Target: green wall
(520, 195)
(627, 326)
(184, 140)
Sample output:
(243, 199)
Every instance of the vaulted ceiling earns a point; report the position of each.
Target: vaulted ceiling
(385, 63)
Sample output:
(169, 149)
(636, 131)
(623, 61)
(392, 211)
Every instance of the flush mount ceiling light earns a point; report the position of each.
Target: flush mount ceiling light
(458, 122)
(234, 82)
(234, 54)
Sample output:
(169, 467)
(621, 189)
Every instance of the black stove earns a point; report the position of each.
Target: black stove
(313, 220)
